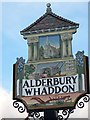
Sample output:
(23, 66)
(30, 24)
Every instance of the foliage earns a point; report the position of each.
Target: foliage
(29, 69)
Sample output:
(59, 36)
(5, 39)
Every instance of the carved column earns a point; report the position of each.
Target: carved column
(63, 45)
(35, 51)
(70, 48)
(32, 48)
(66, 49)
(29, 51)
(70, 45)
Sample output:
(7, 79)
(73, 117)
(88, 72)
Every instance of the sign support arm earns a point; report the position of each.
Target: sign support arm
(50, 115)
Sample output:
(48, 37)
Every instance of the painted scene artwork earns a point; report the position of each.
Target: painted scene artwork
(52, 83)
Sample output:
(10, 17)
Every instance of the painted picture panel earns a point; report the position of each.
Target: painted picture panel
(49, 47)
(51, 84)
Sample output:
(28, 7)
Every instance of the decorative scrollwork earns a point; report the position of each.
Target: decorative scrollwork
(86, 98)
(65, 114)
(35, 116)
(21, 109)
(79, 58)
(81, 103)
(20, 62)
(41, 118)
(62, 115)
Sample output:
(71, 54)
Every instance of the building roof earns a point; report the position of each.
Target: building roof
(49, 22)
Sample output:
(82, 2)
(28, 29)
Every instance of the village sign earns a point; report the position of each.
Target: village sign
(52, 78)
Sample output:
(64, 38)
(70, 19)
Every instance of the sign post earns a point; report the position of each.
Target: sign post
(52, 79)
(50, 115)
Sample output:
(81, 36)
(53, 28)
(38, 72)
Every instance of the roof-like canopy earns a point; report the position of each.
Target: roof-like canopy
(49, 22)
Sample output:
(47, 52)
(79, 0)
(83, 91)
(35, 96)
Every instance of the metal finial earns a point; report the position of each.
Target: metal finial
(48, 4)
(48, 10)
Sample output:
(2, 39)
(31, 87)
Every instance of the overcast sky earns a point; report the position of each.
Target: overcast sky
(16, 16)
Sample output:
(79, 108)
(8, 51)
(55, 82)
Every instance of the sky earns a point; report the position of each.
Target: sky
(18, 15)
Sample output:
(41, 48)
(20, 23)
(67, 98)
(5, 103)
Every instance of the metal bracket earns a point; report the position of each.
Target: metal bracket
(16, 104)
(65, 114)
(62, 114)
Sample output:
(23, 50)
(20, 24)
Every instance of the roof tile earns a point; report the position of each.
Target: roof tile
(49, 21)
